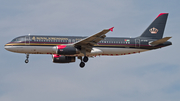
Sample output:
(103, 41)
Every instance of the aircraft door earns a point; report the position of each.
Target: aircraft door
(27, 40)
(137, 42)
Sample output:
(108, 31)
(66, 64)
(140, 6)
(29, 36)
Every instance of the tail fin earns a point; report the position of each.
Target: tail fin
(156, 28)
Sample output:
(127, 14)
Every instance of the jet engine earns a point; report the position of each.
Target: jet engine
(66, 50)
(63, 59)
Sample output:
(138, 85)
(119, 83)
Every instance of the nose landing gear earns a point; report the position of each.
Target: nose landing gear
(27, 56)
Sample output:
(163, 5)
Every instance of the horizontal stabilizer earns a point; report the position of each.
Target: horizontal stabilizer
(160, 41)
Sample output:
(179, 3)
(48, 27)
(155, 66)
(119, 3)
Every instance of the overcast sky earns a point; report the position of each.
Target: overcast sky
(148, 76)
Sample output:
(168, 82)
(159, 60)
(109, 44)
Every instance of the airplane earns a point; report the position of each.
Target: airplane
(65, 49)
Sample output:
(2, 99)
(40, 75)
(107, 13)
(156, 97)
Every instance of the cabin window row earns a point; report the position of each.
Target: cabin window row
(115, 42)
(51, 40)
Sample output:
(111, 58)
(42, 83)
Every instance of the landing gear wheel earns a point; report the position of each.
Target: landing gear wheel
(82, 64)
(27, 56)
(85, 59)
(26, 61)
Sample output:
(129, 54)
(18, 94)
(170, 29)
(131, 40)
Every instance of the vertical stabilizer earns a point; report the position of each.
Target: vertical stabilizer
(156, 28)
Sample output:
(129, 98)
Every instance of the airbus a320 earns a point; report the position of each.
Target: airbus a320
(65, 49)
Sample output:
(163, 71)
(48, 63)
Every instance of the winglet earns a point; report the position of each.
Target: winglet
(111, 29)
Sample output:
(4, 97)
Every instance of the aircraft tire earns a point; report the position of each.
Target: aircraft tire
(26, 61)
(85, 59)
(82, 64)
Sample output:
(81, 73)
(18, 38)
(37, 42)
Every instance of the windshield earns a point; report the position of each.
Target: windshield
(18, 39)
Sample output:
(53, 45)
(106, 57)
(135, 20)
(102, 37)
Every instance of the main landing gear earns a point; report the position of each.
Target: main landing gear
(85, 59)
(82, 63)
(27, 57)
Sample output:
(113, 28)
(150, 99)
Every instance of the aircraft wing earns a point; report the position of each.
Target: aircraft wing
(86, 44)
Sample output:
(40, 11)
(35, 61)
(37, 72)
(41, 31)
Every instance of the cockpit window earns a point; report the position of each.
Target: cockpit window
(14, 40)
(18, 39)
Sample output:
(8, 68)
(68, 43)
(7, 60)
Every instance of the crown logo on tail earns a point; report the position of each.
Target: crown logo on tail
(153, 30)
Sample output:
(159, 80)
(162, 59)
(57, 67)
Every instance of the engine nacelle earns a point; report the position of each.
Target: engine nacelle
(63, 59)
(66, 50)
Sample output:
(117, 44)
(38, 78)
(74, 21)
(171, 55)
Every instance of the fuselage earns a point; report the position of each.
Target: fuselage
(110, 46)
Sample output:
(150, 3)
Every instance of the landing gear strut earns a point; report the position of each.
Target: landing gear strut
(27, 56)
(82, 63)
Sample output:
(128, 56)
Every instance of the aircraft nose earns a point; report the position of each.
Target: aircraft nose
(9, 48)
(6, 47)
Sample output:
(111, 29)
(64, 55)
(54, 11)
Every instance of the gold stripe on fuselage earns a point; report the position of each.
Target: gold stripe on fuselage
(29, 44)
(45, 44)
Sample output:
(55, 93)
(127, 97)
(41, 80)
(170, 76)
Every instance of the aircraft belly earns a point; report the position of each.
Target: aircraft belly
(119, 51)
(112, 51)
